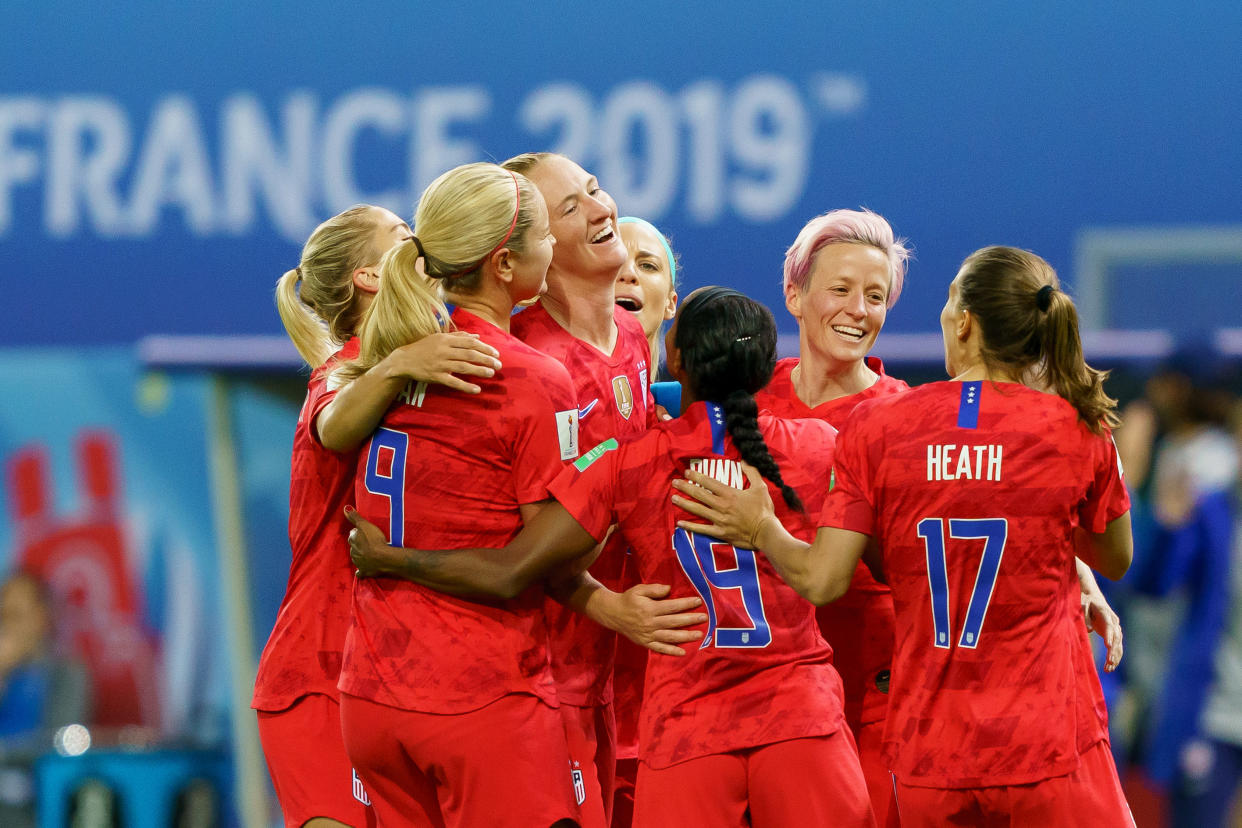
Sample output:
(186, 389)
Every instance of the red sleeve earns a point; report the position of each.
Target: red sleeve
(547, 434)
(850, 501)
(321, 389)
(1107, 498)
(587, 488)
(318, 395)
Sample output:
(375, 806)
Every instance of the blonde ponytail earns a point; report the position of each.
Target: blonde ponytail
(406, 308)
(462, 218)
(317, 300)
(307, 330)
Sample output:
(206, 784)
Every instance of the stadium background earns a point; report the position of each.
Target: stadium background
(160, 166)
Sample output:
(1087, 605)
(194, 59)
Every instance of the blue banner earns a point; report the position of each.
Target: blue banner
(160, 166)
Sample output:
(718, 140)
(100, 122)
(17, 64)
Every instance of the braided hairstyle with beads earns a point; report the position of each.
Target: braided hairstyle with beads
(728, 352)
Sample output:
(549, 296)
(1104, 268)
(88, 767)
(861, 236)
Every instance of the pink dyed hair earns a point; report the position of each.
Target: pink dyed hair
(852, 227)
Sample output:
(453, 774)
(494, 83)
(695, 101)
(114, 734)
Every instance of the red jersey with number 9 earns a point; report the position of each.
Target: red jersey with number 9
(448, 470)
(973, 491)
(762, 672)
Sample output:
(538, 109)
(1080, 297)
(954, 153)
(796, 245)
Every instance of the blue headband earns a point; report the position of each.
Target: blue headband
(668, 251)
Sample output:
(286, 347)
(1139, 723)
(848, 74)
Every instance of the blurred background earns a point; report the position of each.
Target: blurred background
(161, 165)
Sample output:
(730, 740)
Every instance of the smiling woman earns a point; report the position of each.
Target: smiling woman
(647, 282)
(842, 274)
(578, 321)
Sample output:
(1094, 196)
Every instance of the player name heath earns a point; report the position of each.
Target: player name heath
(952, 462)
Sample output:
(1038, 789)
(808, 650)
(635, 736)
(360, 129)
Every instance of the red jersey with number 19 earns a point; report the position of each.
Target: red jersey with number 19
(615, 402)
(303, 653)
(859, 626)
(973, 491)
(448, 470)
(762, 672)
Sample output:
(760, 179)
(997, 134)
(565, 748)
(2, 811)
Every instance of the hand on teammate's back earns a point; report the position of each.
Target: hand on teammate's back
(440, 357)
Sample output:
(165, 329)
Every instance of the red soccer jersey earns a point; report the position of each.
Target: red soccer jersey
(763, 673)
(859, 626)
(614, 401)
(303, 653)
(445, 471)
(973, 491)
(1092, 708)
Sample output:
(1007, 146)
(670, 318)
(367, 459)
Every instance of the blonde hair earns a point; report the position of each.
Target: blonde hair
(316, 299)
(527, 161)
(465, 214)
(462, 218)
(406, 308)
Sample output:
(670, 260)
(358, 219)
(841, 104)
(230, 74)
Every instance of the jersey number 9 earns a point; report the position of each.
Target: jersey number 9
(385, 476)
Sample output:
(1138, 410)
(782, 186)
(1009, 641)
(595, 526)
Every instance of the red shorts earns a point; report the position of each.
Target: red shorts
(310, 770)
(870, 738)
(1090, 795)
(591, 733)
(813, 781)
(505, 764)
(623, 793)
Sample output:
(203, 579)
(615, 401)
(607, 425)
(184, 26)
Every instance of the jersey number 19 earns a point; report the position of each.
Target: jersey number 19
(697, 556)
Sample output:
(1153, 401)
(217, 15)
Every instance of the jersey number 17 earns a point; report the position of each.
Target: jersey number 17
(993, 532)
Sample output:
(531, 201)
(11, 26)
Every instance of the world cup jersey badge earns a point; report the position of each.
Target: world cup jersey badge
(625, 397)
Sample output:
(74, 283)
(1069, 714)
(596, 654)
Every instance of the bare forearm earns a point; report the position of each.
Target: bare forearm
(582, 593)
(820, 572)
(551, 538)
(1087, 584)
(464, 572)
(789, 556)
(643, 613)
(357, 409)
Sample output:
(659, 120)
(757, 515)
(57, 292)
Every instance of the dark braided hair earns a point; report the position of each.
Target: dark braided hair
(728, 352)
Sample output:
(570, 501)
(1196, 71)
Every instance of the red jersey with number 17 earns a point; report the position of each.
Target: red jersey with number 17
(762, 672)
(859, 626)
(614, 401)
(303, 653)
(448, 470)
(973, 491)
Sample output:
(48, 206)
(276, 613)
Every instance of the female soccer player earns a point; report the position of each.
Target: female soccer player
(578, 322)
(750, 723)
(978, 492)
(321, 302)
(647, 282)
(843, 272)
(448, 707)
(646, 287)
